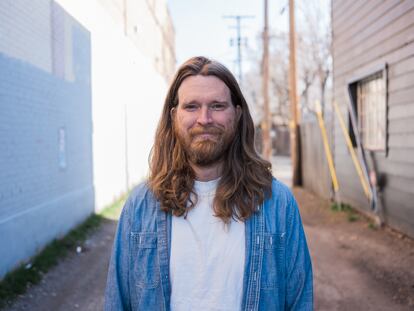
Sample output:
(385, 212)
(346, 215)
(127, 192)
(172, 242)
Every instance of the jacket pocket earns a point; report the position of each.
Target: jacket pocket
(144, 260)
(273, 260)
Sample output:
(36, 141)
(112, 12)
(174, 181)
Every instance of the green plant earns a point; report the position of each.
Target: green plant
(114, 211)
(352, 217)
(345, 208)
(372, 226)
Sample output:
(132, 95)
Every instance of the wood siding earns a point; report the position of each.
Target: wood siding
(367, 35)
(315, 171)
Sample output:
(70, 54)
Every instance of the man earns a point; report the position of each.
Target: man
(210, 229)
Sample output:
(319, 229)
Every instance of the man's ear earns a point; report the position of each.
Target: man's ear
(172, 113)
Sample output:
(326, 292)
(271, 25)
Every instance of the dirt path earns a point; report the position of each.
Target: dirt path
(78, 282)
(355, 267)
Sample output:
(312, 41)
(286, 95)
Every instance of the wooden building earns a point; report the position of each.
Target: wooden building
(373, 73)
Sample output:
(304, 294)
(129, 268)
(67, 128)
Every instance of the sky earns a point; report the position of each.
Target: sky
(201, 29)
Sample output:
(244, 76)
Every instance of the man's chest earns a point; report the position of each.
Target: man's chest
(207, 261)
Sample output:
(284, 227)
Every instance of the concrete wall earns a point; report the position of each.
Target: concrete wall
(25, 32)
(79, 107)
(45, 127)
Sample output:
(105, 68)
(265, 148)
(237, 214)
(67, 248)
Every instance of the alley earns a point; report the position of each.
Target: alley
(78, 282)
(97, 96)
(356, 267)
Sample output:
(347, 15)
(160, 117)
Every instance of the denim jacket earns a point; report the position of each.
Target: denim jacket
(277, 274)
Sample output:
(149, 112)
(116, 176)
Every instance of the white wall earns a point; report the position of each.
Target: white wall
(122, 79)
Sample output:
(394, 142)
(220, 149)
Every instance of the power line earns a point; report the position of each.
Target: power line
(238, 19)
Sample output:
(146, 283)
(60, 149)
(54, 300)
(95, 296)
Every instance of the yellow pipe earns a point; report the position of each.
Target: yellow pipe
(326, 147)
(352, 151)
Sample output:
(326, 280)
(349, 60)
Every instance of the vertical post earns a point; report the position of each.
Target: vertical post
(239, 56)
(126, 147)
(238, 19)
(295, 117)
(125, 16)
(266, 123)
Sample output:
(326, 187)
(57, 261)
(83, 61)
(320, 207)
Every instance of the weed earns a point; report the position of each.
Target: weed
(352, 217)
(341, 207)
(113, 212)
(372, 226)
(335, 207)
(345, 208)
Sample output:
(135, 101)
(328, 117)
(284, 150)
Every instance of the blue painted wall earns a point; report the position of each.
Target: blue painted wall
(46, 177)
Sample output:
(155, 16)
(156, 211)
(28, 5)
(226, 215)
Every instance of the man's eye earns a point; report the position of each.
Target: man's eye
(218, 106)
(190, 107)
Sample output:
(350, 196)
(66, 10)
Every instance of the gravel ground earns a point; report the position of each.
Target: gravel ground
(355, 267)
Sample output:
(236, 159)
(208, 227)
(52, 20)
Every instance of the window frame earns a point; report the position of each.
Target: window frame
(353, 95)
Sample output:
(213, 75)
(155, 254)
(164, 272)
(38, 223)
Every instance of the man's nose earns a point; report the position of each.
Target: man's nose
(204, 116)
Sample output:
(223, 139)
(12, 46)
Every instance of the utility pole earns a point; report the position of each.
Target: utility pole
(266, 122)
(238, 19)
(125, 16)
(126, 148)
(293, 97)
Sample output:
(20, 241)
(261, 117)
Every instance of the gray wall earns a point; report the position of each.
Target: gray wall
(366, 35)
(46, 178)
(315, 173)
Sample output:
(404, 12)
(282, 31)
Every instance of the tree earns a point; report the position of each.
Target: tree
(316, 54)
(314, 64)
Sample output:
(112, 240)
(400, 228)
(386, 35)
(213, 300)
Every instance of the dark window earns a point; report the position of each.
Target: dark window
(369, 100)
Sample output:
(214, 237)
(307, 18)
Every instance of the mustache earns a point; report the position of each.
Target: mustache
(200, 130)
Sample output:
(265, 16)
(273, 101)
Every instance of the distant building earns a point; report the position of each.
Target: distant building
(81, 90)
(148, 24)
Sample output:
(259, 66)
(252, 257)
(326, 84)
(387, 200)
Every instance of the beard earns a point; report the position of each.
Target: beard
(204, 150)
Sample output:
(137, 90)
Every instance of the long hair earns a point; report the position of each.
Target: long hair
(246, 178)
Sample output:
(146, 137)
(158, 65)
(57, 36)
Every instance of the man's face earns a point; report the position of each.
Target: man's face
(205, 119)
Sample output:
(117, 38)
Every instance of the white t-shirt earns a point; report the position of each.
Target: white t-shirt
(207, 258)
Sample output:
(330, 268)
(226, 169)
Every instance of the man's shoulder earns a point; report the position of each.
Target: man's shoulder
(281, 193)
(279, 206)
(140, 192)
(141, 201)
